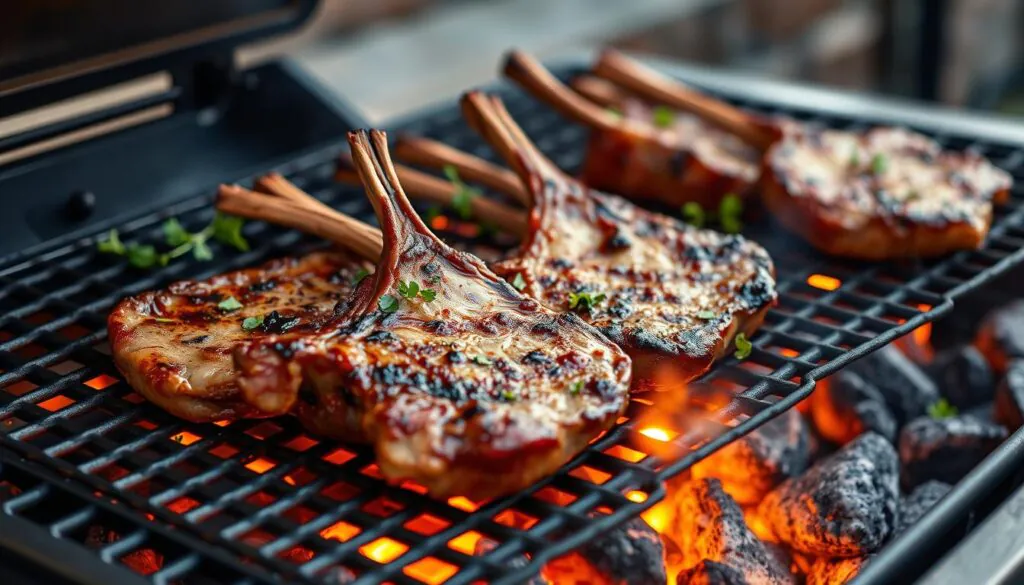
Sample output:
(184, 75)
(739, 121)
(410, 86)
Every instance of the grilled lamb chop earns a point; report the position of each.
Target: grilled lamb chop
(472, 389)
(174, 346)
(672, 296)
(640, 151)
(875, 195)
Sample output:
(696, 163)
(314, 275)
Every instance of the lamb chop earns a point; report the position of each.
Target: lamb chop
(672, 296)
(880, 194)
(460, 382)
(640, 151)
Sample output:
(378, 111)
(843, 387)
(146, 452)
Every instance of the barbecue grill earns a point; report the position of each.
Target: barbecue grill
(261, 501)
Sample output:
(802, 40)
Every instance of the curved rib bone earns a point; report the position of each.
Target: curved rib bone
(430, 153)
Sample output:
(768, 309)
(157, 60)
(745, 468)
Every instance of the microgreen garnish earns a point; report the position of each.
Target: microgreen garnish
(250, 323)
(509, 395)
(663, 116)
(942, 409)
(410, 290)
(743, 347)
(482, 360)
(224, 228)
(112, 245)
(388, 303)
(519, 282)
(879, 163)
(706, 315)
(576, 387)
(464, 194)
(693, 214)
(229, 304)
(360, 275)
(585, 301)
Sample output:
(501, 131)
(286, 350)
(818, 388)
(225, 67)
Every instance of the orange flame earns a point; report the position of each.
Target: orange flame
(824, 282)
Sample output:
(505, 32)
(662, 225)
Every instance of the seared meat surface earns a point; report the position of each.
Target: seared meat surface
(174, 346)
(672, 296)
(886, 193)
(467, 387)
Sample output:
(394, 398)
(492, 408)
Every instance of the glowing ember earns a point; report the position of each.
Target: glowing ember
(439, 223)
(341, 531)
(465, 542)
(383, 550)
(260, 465)
(56, 403)
(636, 496)
(100, 382)
(430, 570)
(463, 503)
(185, 438)
(824, 282)
(658, 434)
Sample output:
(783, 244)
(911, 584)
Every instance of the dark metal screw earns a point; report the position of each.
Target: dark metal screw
(80, 204)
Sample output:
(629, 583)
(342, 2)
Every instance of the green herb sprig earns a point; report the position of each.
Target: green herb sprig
(941, 409)
(252, 323)
(729, 214)
(743, 347)
(464, 194)
(410, 290)
(225, 229)
(663, 116)
(585, 301)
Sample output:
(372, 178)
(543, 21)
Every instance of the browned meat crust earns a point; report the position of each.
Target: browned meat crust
(674, 296)
(480, 391)
(886, 193)
(174, 345)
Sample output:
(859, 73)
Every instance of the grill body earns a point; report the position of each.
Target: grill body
(232, 503)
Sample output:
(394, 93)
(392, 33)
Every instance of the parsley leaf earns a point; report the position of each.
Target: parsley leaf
(409, 289)
(111, 245)
(576, 387)
(585, 301)
(428, 294)
(227, 229)
(229, 304)
(730, 214)
(509, 395)
(663, 116)
(141, 256)
(251, 323)
(360, 275)
(693, 214)
(879, 163)
(482, 360)
(201, 250)
(743, 347)
(942, 409)
(464, 194)
(519, 283)
(387, 303)
(174, 233)
(706, 315)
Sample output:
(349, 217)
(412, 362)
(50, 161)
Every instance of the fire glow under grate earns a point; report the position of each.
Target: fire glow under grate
(240, 502)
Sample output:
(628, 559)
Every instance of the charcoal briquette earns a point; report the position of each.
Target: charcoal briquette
(751, 466)
(906, 389)
(486, 545)
(846, 405)
(945, 449)
(1009, 404)
(845, 505)
(964, 377)
(915, 505)
(709, 572)
(826, 571)
(1001, 336)
(631, 554)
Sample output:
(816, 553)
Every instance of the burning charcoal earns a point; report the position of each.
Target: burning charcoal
(1001, 337)
(906, 389)
(631, 554)
(709, 572)
(843, 506)
(486, 545)
(834, 571)
(751, 466)
(914, 506)
(964, 376)
(847, 406)
(1009, 407)
(709, 526)
(945, 449)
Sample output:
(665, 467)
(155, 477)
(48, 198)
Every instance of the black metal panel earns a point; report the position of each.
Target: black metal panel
(255, 491)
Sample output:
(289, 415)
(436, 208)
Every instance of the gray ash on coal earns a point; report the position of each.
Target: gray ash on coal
(964, 376)
(834, 571)
(915, 505)
(751, 466)
(486, 545)
(709, 572)
(1009, 403)
(847, 405)
(945, 449)
(1001, 336)
(631, 554)
(708, 525)
(843, 506)
(906, 389)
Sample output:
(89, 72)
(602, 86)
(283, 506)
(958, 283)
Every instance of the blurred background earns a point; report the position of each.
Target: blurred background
(390, 56)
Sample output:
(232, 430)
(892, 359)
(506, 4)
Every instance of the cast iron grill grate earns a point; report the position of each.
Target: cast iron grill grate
(266, 498)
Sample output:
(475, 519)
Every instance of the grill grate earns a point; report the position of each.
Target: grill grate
(264, 498)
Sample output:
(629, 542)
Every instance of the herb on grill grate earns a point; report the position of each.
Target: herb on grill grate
(942, 409)
(251, 323)
(229, 304)
(111, 245)
(141, 256)
(387, 303)
(585, 301)
(360, 275)
(519, 282)
(663, 116)
(461, 202)
(224, 228)
(743, 347)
